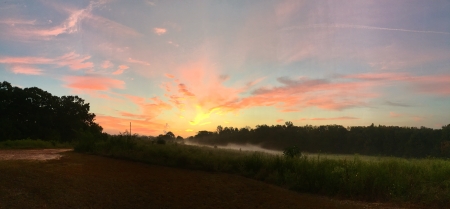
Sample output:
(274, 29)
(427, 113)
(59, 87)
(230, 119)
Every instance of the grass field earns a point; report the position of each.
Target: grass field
(89, 181)
(420, 181)
(32, 144)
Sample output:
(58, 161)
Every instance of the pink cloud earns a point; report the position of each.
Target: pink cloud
(138, 61)
(418, 118)
(120, 70)
(72, 60)
(25, 60)
(27, 70)
(430, 84)
(92, 83)
(295, 95)
(14, 22)
(279, 120)
(69, 26)
(159, 31)
(107, 64)
(394, 115)
(433, 84)
(380, 76)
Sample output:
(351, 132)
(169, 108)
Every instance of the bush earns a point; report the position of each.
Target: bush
(292, 152)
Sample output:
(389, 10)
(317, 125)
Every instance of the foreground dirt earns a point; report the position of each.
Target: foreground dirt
(32, 154)
(84, 181)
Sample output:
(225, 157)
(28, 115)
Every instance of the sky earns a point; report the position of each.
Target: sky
(187, 66)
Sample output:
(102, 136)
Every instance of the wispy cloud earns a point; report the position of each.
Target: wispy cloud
(92, 83)
(27, 70)
(364, 27)
(294, 95)
(428, 84)
(14, 22)
(169, 75)
(138, 61)
(72, 60)
(159, 31)
(120, 70)
(337, 118)
(149, 107)
(173, 43)
(394, 115)
(397, 104)
(107, 64)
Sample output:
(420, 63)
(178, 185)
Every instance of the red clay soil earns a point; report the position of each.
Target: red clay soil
(85, 181)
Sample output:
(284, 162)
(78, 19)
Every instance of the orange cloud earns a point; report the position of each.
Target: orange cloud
(279, 120)
(168, 75)
(149, 108)
(183, 90)
(337, 118)
(114, 125)
(90, 82)
(120, 70)
(27, 70)
(160, 31)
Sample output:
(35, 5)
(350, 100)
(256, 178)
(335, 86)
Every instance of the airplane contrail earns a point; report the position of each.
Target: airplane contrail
(365, 27)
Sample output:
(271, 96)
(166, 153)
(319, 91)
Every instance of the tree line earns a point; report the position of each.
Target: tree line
(336, 139)
(36, 114)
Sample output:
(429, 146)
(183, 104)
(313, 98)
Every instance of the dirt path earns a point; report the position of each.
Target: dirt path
(32, 154)
(84, 181)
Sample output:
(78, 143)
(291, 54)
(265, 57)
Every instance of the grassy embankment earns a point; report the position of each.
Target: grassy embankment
(423, 181)
(32, 144)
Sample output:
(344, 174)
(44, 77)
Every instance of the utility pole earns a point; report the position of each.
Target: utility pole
(130, 130)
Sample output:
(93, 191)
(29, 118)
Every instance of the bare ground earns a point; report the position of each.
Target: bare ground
(85, 181)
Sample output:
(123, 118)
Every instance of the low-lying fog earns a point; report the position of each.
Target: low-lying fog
(243, 147)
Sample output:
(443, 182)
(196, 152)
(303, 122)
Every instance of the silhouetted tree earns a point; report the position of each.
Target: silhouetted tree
(36, 114)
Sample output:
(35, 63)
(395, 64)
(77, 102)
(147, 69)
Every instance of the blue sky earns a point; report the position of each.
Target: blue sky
(193, 65)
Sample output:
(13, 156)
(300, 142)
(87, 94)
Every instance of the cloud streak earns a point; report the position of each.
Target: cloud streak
(27, 70)
(120, 70)
(72, 60)
(92, 83)
(364, 27)
(159, 31)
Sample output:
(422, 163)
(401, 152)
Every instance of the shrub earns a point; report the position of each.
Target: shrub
(292, 152)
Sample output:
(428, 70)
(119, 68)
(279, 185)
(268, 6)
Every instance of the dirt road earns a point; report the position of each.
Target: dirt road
(32, 154)
(84, 181)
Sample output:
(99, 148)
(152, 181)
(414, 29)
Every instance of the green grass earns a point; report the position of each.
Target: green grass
(32, 144)
(424, 181)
